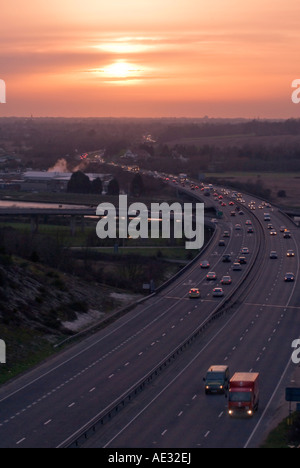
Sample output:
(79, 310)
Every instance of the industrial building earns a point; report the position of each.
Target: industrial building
(36, 181)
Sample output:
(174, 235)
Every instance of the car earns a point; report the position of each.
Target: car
(273, 255)
(226, 280)
(222, 243)
(211, 276)
(226, 234)
(233, 213)
(194, 293)
(241, 213)
(273, 232)
(218, 292)
(282, 228)
(238, 227)
(245, 251)
(250, 230)
(289, 277)
(231, 203)
(236, 267)
(205, 264)
(226, 258)
(287, 235)
(242, 261)
(217, 379)
(270, 226)
(248, 222)
(290, 253)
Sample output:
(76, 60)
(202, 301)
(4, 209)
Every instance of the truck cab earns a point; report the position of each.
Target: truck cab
(217, 379)
(243, 396)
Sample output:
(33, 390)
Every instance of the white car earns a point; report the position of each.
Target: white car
(245, 251)
(218, 292)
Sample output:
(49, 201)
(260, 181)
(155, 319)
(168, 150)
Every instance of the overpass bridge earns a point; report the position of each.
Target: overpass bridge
(75, 215)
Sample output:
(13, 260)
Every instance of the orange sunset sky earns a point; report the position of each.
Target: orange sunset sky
(150, 58)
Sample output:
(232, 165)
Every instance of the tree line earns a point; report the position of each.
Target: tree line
(80, 183)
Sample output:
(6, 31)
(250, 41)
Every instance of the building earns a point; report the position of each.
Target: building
(37, 181)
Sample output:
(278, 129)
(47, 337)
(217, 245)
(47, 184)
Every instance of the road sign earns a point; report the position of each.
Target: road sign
(292, 394)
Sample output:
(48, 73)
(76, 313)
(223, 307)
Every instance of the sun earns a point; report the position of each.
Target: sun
(120, 72)
(121, 69)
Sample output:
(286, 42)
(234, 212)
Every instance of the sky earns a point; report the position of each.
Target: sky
(150, 58)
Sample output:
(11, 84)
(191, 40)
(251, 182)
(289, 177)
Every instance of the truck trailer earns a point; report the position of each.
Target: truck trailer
(243, 398)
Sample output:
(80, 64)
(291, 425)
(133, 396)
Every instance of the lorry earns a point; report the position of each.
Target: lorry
(217, 379)
(243, 396)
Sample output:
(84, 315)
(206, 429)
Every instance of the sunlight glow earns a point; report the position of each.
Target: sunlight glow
(119, 72)
(119, 47)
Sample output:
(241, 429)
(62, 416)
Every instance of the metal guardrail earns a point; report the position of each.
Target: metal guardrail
(114, 408)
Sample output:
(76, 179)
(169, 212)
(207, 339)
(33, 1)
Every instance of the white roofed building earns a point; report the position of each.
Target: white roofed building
(42, 181)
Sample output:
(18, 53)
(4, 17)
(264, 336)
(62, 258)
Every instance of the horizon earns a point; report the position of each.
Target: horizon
(205, 119)
(150, 59)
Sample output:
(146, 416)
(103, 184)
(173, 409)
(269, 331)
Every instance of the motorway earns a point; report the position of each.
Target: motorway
(256, 337)
(47, 406)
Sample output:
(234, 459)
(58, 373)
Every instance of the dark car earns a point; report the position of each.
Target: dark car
(226, 258)
(289, 277)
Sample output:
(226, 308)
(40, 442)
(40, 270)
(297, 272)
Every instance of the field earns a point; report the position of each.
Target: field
(276, 182)
(224, 141)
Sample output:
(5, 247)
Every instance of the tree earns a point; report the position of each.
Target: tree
(113, 187)
(96, 186)
(137, 186)
(281, 194)
(79, 183)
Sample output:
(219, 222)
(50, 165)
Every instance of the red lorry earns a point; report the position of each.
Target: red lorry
(243, 394)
